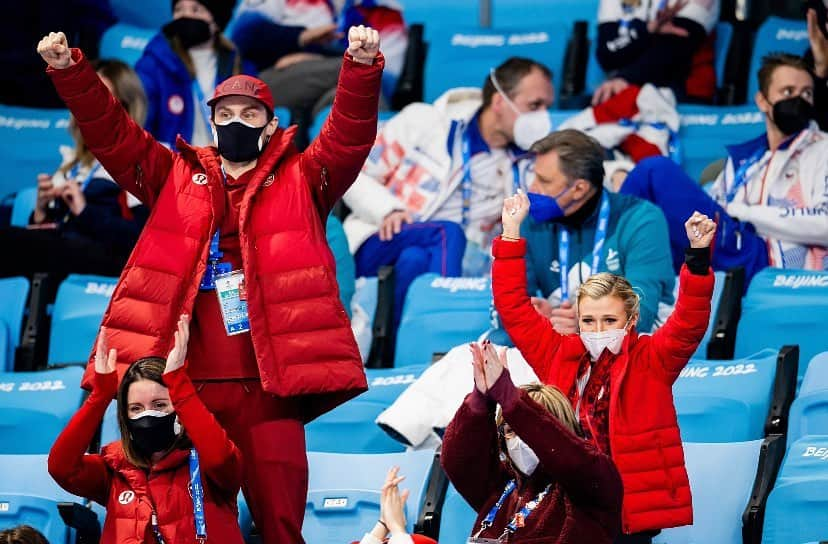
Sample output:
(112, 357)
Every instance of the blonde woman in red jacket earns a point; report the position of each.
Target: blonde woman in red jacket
(619, 383)
(144, 480)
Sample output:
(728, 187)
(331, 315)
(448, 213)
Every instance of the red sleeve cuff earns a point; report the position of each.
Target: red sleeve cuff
(502, 249)
(105, 386)
(181, 388)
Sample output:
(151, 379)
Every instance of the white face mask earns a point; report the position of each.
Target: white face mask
(596, 342)
(158, 413)
(522, 455)
(530, 126)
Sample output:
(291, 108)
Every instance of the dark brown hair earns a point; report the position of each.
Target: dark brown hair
(148, 368)
(773, 61)
(509, 75)
(579, 156)
(22, 534)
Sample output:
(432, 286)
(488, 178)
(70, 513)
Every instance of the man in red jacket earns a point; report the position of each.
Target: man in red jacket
(236, 238)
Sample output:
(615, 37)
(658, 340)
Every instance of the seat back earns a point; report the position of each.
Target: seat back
(797, 509)
(36, 406)
(457, 518)
(79, 307)
(29, 142)
(721, 481)
(24, 204)
(14, 292)
(461, 56)
(126, 42)
(440, 313)
(725, 401)
(345, 267)
(781, 307)
(544, 12)
(151, 14)
(809, 411)
(718, 288)
(776, 35)
(351, 427)
(724, 34)
(28, 495)
(344, 492)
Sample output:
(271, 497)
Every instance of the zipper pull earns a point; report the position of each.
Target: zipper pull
(324, 184)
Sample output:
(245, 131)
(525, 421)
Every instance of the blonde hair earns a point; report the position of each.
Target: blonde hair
(606, 284)
(555, 402)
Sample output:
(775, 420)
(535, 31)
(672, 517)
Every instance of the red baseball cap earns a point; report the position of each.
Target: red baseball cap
(243, 86)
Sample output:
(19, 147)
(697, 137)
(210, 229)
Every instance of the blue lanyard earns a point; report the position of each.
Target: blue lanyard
(740, 176)
(520, 517)
(197, 492)
(73, 173)
(155, 529)
(600, 237)
(466, 182)
(203, 107)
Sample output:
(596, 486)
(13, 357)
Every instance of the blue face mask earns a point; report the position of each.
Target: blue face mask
(544, 208)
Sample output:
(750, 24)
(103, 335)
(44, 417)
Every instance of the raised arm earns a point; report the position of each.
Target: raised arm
(333, 160)
(137, 162)
(219, 458)
(73, 470)
(532, 333)
(676, 341)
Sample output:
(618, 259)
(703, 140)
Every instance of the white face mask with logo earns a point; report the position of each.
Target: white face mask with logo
(522, 455)
(597, 342)
(530, 126)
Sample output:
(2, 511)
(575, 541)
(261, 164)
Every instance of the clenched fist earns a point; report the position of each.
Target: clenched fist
(363, 44)
(55, 50)
(700, 230)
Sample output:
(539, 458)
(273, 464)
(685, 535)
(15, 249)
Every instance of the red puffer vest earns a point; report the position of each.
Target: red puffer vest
(645, 442)
(300, 331)
(133, 493)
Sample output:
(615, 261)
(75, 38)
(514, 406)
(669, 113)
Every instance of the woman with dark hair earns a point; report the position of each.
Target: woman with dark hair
(82, 222)
(174, 476)
(22, 534)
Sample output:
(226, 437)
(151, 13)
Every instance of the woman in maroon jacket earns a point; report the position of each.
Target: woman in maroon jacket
(527, 471)
(145, 480)
(619, 383)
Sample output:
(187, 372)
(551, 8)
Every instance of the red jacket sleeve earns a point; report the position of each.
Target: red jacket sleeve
(333, 160)
(589, 476)
(532, 333)
(219, 458)
(676, 341)
(133, 158)
(470, 454)
(78, 473)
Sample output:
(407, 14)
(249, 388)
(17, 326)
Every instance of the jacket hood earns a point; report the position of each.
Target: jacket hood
(460, 103)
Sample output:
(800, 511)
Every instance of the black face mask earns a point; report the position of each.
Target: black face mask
(190, 31)
(152, 434)
(238, 142)
(792, 114)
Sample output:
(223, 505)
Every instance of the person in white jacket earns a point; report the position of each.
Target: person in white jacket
(771, 199)
(427, 199)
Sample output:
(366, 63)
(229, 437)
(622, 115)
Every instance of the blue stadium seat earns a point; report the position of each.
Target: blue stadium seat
(725, 401)
(343, 492)
(809, 411)
(28, 495)
(322, 115)
(29, 141)
(110, 432)
(776, 35)
(14, 292)
(24, 205)
(439, 13)
(780, 308)
(79, 308)
(724, 34)
(440, 313)
(345, 267)
(544, 12)
(456, 519)
(797, 509)
(721, 480)
(152, 14)
(461, 56)
(706, 130)
(126, 42)
(350, 428)
(36, 406)
(718, 287)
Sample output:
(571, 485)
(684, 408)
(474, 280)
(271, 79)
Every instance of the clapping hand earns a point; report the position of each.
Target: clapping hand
(105, 360)
(392, 502)
(488, 364)
(178, 355)
(663, 23)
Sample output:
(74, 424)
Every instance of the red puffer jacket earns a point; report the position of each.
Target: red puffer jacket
(299, 329)
(130, 493)
(645, 442)
(584, 499)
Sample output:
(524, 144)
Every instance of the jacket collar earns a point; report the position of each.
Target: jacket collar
(115, 458)
(739, 153)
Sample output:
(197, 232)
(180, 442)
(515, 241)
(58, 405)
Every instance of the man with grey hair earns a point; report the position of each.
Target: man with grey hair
(578, 229)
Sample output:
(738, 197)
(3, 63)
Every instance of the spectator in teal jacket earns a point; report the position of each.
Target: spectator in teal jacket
(345, 267)
(568, 208)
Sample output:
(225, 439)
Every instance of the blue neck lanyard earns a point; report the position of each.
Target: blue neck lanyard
(203, 107)
(519, 518)
(600, 237)
(214, 264)
(466, 181)
(197, 493)
(73, 174)
(740, 176)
